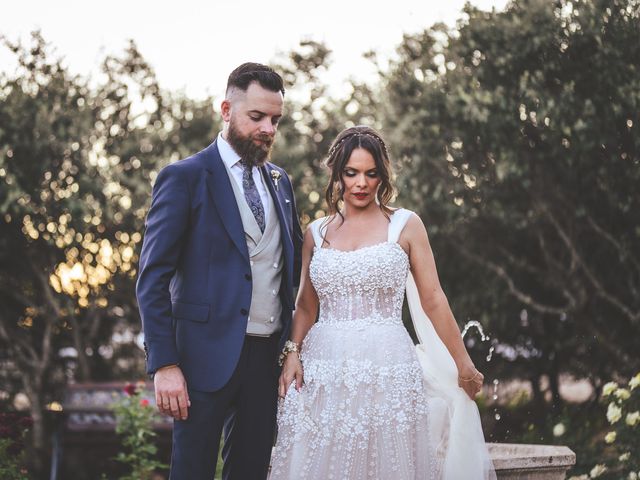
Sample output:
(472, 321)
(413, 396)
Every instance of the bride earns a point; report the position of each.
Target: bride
(358, 400)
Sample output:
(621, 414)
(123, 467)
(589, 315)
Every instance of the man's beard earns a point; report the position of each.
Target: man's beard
(249, 151)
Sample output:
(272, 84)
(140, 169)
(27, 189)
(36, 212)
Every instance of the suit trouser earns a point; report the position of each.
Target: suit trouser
(245, 408)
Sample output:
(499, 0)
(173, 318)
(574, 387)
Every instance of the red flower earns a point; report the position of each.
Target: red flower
(130, 389)
(144, 402)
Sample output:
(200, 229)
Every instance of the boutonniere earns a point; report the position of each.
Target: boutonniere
(275, 176)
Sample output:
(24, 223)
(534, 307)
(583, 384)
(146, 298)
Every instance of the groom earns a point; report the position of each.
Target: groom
(220, 258)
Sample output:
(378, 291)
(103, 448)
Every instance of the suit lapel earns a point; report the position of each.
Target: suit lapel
(220, 189)
(285, 225)
(277, 201)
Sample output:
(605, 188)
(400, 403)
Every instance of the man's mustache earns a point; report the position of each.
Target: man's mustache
(268, 139)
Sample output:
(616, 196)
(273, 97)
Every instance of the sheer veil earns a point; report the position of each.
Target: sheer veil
(454, 419)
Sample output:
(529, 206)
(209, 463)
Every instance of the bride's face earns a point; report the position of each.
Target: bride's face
(361, 179)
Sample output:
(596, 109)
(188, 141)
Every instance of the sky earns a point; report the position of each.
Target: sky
(193, 45)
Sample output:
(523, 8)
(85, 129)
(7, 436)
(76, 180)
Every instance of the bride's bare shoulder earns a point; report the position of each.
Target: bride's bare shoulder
(415, 229)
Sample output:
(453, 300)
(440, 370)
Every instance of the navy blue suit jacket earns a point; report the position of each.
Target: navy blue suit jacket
(194, 284)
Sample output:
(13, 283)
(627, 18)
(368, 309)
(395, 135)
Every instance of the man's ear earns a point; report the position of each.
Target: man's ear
(225, 110)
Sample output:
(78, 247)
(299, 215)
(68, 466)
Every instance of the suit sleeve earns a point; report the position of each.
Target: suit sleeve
(164, 237)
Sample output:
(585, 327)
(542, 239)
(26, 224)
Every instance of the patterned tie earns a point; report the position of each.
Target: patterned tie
(251, 194)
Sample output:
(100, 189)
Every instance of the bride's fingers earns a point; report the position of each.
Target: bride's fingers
(470, 389)
(299, 378)
(285, 381)
(477, 388)
(469, 392)
(472, 386)
(282, 387)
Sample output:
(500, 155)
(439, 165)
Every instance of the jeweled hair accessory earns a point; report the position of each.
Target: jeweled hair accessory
(335, 148)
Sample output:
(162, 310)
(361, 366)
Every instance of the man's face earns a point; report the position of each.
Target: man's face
(251, 119)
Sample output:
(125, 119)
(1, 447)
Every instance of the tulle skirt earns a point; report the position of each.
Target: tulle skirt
(363, 411)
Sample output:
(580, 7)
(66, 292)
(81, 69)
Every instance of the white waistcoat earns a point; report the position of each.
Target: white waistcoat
(265, 256)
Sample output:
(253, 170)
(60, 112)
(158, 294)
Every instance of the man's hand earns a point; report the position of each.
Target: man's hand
(171, 392)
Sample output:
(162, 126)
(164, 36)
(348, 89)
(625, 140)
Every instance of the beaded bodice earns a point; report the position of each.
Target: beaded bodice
(365, 285)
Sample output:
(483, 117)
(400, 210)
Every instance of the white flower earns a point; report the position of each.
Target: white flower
(559, 430)
(610, 437)
(635, 381)
(614, 413)
(275, 176)
(609, 388)
(597, 470)
(632, 418)
(624, 457)
(622, 393)
(632, 476)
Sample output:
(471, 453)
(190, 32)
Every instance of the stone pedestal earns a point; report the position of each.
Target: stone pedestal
(531, 462)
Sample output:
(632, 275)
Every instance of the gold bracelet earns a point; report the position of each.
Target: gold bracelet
(289, 346)
(470, 379)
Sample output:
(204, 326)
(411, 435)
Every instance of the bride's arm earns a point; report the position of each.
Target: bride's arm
(415, 240)
(304, 317)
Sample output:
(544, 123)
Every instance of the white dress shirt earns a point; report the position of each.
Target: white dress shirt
(232, 161)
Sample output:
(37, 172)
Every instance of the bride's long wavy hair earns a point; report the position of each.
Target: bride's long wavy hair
(341, 149)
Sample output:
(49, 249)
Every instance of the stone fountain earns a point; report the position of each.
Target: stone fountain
(531, 462)
(523, 461)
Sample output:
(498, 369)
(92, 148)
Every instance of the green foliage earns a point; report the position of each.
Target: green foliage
(135, 416)
(219, 464)
(11, 467)
(77, 161)
(13, 429)
(516, 134)
(623, 415)
(312, 120)
(577, 426)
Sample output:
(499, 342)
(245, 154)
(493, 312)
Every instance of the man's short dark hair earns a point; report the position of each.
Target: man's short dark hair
(249, 72)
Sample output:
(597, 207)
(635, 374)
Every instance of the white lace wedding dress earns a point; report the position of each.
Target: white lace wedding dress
(364, 411)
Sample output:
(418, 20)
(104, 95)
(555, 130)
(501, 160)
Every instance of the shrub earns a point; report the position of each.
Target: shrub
(623, 437)
(13, 428)
(134, 416)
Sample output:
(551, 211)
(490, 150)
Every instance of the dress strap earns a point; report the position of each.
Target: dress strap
(398, 220)
(317, 230)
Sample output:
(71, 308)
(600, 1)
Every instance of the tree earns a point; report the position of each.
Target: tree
(518, 134)
(313, 118)
(76, 165)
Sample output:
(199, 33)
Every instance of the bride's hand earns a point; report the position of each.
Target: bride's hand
(470, 380)
(291, 370)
